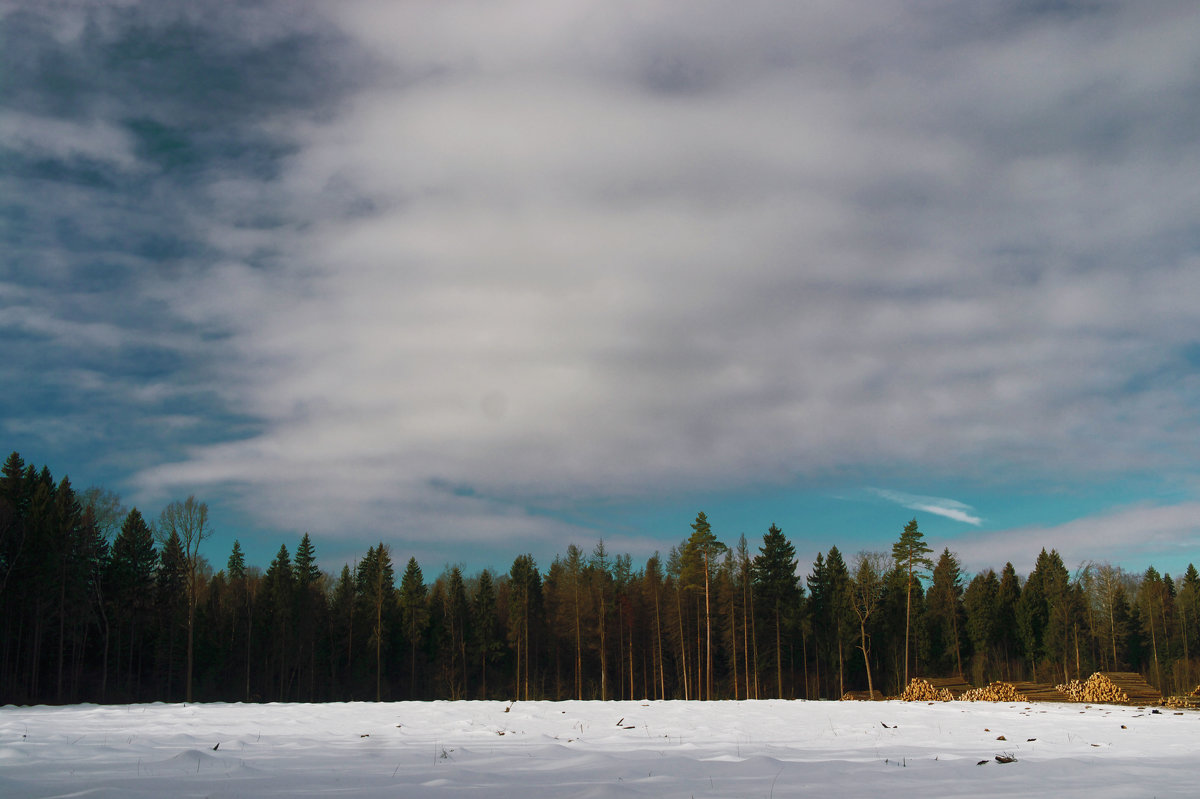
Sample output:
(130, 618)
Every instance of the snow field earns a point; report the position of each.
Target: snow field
(598, 749)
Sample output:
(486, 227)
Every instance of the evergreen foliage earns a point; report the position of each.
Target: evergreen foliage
(97, 609)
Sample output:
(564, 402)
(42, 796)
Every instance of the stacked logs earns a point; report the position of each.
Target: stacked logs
(919, 690)
(1111, 687)
(1038, 692)
(1134, 686)
(1075, 691)
(957, 686)
(862, 696)
(994, 692)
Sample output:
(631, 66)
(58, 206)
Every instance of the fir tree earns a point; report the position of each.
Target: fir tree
(415, 615)
(944, 609)
(376, 586)
(131, 580)
(485, 624)
(778, 587)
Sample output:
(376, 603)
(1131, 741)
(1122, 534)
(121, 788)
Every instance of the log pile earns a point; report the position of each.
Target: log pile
(862, 696)
(1074, 691)
(994, 692)
(1111, 687)
(1038, 692)
(1134, 686)
(1188, 702)
(919, 690)
(957, 686)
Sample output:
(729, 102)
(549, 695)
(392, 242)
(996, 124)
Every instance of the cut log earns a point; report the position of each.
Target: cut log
(994, 692)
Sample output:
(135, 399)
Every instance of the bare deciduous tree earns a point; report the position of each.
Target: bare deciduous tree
(188, 520)
(865, 592)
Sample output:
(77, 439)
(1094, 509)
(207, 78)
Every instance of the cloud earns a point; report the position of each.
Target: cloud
(683, 258)
(949, 508)
(614, 253)
(1135, 536)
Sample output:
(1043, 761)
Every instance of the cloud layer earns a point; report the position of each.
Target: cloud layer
(450, 268)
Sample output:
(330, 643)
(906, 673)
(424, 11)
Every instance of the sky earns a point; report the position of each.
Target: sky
(477, 279)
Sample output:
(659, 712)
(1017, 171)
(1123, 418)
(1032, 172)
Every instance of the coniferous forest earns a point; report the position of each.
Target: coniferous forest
(102, 604)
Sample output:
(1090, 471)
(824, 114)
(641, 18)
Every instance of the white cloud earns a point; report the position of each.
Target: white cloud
(949, 508)
(1135, 536)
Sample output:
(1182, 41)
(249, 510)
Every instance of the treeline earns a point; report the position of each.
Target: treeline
(100, 604)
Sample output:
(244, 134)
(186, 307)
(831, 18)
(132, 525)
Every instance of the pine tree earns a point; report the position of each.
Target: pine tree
(699, 554)
(653, 577)
(525, 590)
(909, 553)
(600, 583)
(1188, 603)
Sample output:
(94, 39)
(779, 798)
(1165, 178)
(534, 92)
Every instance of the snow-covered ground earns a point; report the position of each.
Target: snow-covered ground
(594, 749)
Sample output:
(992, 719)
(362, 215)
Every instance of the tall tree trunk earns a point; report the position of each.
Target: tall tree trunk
(862, 628)
(907, 623)
(682, 643)
(708, 662)
(754, 641)
(733, 646)
(746, 631)
(778, 651)
(1154, 648)
(662, 678)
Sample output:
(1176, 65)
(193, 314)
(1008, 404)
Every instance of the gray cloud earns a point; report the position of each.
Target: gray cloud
(682, 257)
(549, 254)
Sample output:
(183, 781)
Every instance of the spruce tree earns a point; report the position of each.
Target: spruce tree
(171, 587)
(377, 589)
(980, 605)
(778, 587)
(131, 581)
(944, 609)
(485, 625)
(279, 588)
(415, 614)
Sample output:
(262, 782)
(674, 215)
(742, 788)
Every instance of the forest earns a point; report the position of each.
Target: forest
(101, 604)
